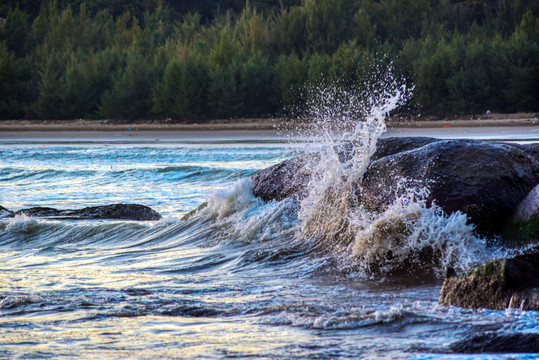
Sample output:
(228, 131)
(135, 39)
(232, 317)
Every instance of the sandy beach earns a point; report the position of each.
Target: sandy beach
(522, 126)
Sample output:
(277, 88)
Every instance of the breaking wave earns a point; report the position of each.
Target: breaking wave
(329, 220)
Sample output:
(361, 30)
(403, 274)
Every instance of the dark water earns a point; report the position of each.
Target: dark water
(241, 278)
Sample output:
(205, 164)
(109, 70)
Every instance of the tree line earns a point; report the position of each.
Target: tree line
(199, 60)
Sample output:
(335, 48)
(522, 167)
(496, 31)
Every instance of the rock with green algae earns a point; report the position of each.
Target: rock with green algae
(523, 227)
(498, 284)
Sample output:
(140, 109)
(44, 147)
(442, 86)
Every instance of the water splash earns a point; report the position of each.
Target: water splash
(410, 236)
(408, 233)
(333, 182)
(331, 219)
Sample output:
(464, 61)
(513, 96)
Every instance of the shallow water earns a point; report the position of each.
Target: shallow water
(237, 279)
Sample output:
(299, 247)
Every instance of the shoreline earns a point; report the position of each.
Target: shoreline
(490, 120)
(513, 127)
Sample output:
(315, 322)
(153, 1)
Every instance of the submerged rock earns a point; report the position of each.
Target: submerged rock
(498, 284)
(498, 343)
(112, 212)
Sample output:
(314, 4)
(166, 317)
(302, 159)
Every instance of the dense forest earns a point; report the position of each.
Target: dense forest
(196, 60)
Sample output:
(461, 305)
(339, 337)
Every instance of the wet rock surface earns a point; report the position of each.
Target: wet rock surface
(529, 207)
(498, 343)
(112, 212)
(532, 149)
(498, 284)
(286, 179)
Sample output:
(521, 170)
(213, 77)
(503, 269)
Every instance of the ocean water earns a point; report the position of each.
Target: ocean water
(238, 277)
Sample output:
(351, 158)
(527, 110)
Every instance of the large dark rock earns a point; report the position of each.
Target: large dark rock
(498, 284)
(497, 343)
(113, 212)
(484, 180)
(290, 178)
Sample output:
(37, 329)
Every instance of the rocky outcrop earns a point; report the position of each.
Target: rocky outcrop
(484, 180)
(497, 343)
(498, 284)
(112, 212)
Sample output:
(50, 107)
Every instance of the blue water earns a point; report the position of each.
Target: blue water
(239, 278)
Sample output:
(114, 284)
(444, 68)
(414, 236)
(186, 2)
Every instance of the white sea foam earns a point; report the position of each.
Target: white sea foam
(240, 216)
(21, 223)
(411, 234)
(357, 318)
(224, 202)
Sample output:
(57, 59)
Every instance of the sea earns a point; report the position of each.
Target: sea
(236, 277)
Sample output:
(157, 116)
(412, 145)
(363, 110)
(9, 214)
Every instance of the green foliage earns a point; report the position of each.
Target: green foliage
(252, 30)
(12, 85)
(522, 91)
(49, 103)
(84, 80)
(182, 93)
(473, 74)
(291, 30)
(16, 32)
(291, 78)
(210, 59)
(326, 23)
(318, 69)
(256, 88)
(129, 96)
